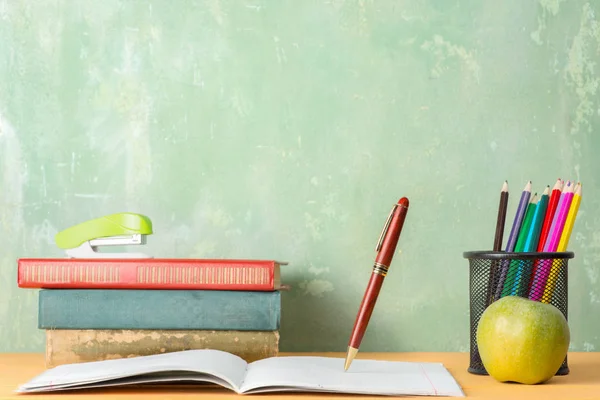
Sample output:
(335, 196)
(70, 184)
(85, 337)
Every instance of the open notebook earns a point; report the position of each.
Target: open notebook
(276, 374)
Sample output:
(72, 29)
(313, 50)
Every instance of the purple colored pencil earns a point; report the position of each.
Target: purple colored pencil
(558, 223)
(514, 234)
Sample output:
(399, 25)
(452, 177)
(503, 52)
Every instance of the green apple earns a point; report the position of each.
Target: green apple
(522, 340)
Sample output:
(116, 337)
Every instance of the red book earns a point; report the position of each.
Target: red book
(149, 273)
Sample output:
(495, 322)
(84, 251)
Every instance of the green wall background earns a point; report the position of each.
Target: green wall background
(286, 130)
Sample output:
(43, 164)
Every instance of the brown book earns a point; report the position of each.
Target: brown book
(69, 346)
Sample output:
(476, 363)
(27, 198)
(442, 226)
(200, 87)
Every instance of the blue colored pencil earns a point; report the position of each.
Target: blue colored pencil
(514, 234)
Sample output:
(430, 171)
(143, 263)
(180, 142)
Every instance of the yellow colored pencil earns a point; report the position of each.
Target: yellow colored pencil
(563, 243)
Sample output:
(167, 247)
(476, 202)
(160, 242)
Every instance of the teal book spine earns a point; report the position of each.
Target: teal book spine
(159, 309)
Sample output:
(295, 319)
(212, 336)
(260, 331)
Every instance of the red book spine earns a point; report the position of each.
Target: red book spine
(151, 273)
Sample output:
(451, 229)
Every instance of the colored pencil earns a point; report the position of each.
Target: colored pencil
(524, 231)
(514, 232)
(501, 217)
(521, 283)
(563, 243)
(519, 215)
(513, 267)
(560, 217)
(552, 203)
(551, 244)
(570, 221)
(533, 235)
(550, 210)
(500, 221)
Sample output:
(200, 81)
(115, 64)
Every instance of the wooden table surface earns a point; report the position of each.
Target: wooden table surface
(583, 381)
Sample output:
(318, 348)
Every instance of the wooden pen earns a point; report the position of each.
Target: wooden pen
(386, 246)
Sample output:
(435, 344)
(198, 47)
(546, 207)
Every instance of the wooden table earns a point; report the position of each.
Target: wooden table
(583, 382)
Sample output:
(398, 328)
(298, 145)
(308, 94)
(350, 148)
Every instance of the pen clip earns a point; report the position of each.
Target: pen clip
(385, 228)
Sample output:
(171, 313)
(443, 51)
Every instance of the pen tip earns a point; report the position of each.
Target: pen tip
(403, 202)
(352, 351)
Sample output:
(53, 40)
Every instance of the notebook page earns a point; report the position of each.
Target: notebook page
(327, 374)
(158, 378)
(228, 367)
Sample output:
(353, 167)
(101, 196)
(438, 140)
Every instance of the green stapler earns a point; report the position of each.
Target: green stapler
(121, 229)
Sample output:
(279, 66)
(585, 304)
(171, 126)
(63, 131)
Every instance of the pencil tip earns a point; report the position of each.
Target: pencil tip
(352, 351)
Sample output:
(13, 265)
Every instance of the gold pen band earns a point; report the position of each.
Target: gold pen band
(380, 269)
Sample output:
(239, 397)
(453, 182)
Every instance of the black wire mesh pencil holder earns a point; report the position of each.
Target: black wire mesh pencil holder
(495, 274)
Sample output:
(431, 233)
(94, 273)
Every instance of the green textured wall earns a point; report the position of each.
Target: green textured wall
(286, 130)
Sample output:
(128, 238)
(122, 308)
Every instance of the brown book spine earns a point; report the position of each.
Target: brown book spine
(69, 346)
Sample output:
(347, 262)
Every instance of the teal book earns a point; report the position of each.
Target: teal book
(159, 309)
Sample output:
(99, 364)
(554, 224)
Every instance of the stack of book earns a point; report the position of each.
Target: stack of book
(97, 306)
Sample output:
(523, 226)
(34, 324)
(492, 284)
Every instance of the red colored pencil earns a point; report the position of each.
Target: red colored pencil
(552, 203)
